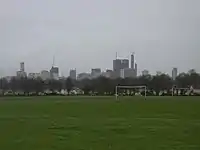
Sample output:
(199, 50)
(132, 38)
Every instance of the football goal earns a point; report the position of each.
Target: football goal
(130, 91)
(178, 91)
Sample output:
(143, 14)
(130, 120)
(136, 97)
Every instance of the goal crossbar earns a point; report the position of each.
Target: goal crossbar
(130, 87)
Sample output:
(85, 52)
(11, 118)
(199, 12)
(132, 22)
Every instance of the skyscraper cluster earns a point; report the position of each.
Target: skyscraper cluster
(121, 67)
(44, 74)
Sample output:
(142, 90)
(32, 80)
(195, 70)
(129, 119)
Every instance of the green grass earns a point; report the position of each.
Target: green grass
(100, 123)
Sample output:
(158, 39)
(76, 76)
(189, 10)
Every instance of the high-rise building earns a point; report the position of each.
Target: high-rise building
(136, 69)
(72, 74)
(132, 61)
(22, 68)
(174, 73)
(133, 64)
(116, 64)
(119, 64)
(54, 73)
(127, 73)
(125, 63)
(21, 73)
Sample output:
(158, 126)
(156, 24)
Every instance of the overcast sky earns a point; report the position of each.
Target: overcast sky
(86, 34)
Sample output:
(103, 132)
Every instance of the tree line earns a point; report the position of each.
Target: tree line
(99, 85)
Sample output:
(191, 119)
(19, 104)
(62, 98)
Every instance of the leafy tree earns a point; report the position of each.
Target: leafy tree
(160, 83)
(69, 84)
(38, 85)
(183, 80)
(3, 85)
(101, 85)
(14, 84)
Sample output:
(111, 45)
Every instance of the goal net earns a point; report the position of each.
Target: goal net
(130, 91)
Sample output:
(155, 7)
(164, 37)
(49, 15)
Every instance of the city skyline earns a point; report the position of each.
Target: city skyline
(163, 34)
(130, 65)
(122, 67)
(65, 72)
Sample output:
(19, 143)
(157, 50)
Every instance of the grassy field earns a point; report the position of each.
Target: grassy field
(100, 123)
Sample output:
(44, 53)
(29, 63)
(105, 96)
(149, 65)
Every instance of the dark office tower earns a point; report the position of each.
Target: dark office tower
(136, 67)
(72, 74)
(174, 73)
(119, 64)
(124, 63)
(116, 64)
(22, 67)
(132, 61)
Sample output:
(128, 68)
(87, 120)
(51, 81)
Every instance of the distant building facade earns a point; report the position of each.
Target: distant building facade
(54, 73)
(127, 73)
(72, 74)
(136, 69)
(22, 67)
(174, 73)
(21, 73)
(132, 61)
(119, 64)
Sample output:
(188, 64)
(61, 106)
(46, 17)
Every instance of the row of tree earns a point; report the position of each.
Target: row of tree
(100, 85)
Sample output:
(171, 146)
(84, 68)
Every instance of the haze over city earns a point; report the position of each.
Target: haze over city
(87, 34)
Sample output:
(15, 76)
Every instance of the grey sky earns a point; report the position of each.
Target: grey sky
(85, 34)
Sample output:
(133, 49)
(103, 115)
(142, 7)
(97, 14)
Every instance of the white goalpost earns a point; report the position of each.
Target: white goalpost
(177, 90)
(117, 88)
